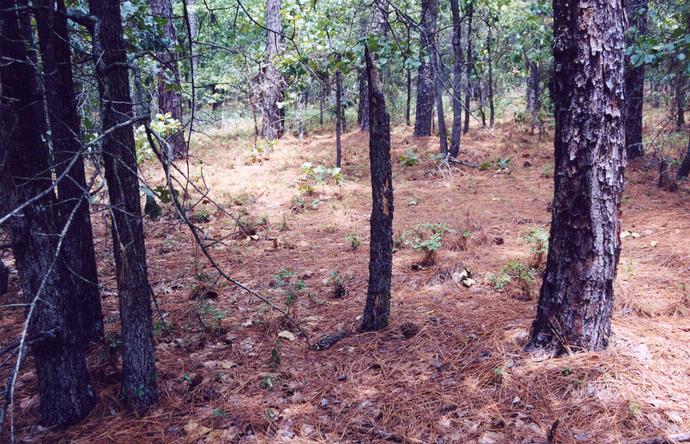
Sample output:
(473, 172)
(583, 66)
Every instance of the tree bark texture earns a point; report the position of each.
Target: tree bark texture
(272, 87)
(425, 73)
(490, 63)
(456, 129)
(65, 392)
(65, 124)
(169, 98)
(636, 11)
(377, 308)
(576, 297)
(138, 364)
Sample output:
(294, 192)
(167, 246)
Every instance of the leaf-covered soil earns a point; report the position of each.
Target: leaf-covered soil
(449, 369)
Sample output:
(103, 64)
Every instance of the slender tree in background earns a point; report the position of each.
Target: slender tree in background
(65, 393)
(456, 129)
(65, 126)
(169, 97)
(425, 73)
(363, 99)
(576, 297)
(490, 65)
(469, 65)
(534, 90)
(408, 78)
(138, 364)
(680, 86)
(377, 308)
(338, 115)
(636, 11)
(435, 59)
(272, 109)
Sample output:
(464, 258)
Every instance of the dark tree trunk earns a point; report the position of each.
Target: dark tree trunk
(65, 124)
(576, 297)
(338, 116)
(684, 168)
(65, 393)
(469, 67)
(533, 94)
(636, 11)
(377, 309)
(492, 111)
(169, 98)
(138, 364)
(272, 114)
(425, 73)
(456, 130)
(4, 271)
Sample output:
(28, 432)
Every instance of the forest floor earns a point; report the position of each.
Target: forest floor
(449, 368)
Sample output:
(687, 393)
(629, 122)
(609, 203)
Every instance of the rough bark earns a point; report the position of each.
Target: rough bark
(272, 111)
(576, 297)
(338, 117)
(684, 168)
(138, 364)
(65, 393)
(377, 308)
(169, 98)
(469, 67)
(636, 11)
(65, 124)
(425, 73)
(456, 129)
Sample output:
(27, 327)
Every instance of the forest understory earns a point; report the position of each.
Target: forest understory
(449, 369)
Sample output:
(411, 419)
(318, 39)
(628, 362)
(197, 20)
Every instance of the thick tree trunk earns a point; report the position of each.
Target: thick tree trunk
(425, 72)
(377, 309)
(272, 111)
(169, 98)
(469, 67)
(65, 393)
(138, 363)
(456, 130)
(684, 168)
(576, 297)
(636, 11)
(65, 123)
(338, 116)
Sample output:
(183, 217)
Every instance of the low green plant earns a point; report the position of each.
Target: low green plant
(538, 240)
(209, 315)
(322, 174)
(354, 240)
(514, 271)
(410, 158)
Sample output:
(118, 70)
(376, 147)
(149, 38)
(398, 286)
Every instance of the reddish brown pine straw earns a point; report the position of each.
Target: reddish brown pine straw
(461, 378)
